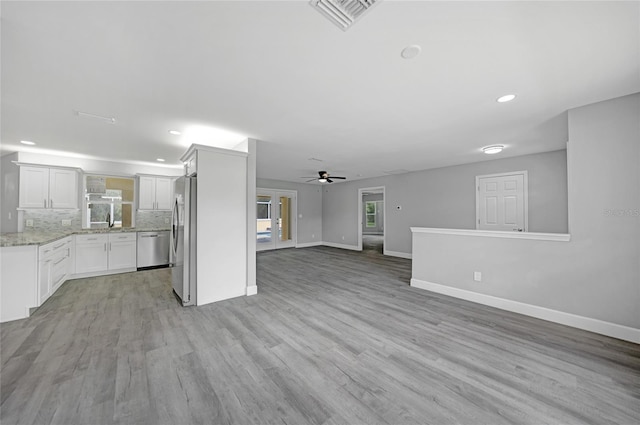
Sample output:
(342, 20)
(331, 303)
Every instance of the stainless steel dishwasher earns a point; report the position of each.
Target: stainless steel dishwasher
(153, 249)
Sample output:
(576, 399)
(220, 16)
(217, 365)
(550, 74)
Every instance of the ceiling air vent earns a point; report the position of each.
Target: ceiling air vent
(343, 13)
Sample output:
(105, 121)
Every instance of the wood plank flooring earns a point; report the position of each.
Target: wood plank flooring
(333, 337)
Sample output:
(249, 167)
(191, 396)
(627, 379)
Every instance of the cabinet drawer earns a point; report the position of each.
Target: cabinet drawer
(83, 239)
(122, 237)
(52, 249)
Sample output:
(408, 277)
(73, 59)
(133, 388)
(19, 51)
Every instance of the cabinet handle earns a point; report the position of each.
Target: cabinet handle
(50, 203)
(45, 203)
(105, 247)
(58, 246)
(109, 246)
(59, 261)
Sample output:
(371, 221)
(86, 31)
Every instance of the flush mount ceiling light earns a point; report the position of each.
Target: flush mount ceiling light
(490, 150)
(27, 142)
(109, 120)
(411, 52)
(343, 13)
(174, 132)
(506, 98)
(160, 159)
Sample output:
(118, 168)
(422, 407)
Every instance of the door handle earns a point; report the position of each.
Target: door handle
(517, 230)
(50, 203)
(45, 203)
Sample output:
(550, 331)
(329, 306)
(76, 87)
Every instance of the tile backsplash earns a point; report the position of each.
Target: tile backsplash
(51, 220)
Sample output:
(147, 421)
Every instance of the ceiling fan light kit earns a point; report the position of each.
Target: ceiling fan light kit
(343, 13)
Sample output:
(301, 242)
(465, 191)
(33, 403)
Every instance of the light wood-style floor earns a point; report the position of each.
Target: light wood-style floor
(333, 337)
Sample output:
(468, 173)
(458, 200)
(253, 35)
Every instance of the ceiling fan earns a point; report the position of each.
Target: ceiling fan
(324, 177)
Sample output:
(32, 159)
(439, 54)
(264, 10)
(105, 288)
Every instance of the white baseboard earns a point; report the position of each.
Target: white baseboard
(406, 255)
(341, 246)
(252, 290)
(581, 322)
(101, 273)
(308, 244)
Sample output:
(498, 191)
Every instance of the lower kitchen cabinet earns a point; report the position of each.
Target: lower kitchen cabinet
(98, 254)
(54, 262)
(91, 253)
(122, 251)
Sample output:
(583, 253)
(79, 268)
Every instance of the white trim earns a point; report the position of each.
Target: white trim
(556, 237)
(406, 255)
(581, 322)
(252, 290)
(101, 273)
(308, 244)
(342, 246)
(525, 194)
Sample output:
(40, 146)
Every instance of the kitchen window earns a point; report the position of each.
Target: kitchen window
(108, 202)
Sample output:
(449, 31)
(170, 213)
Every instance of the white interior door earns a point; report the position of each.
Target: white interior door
(501, 202)
(276, 219)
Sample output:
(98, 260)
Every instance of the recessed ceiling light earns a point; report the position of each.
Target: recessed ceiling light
(411, 52)
(490, 150)
(175, 132)
(160, 159)
(506, 98)
(27, 142)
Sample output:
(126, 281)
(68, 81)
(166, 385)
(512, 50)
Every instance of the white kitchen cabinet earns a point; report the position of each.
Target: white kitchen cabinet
(54, 260)
(91, 253)
(44, 187)
(122, 251)
(98, 254)
(155, 193)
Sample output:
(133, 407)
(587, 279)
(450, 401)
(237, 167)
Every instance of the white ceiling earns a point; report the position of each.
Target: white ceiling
(278, 71)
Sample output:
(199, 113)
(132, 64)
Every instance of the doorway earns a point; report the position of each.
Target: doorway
(371, 228)
(276, 225)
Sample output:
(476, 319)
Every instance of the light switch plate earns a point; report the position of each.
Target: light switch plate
(477, 276)
(29, 223)
(66, 223)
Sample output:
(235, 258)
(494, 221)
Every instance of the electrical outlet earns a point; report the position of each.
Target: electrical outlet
(313, 236)
(166, 221)
(29, 223)
(342, 237)
(66, 223)
(477, 276)
(9, 216)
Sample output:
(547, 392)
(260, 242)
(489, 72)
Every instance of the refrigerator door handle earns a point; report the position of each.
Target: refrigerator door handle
(175, 220)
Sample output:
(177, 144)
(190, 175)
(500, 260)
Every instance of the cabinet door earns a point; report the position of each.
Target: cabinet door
(91, 254)
(122, 251)
(63, 188)
(164, 190)
(147, 195)
(44, 281)
(34, 187)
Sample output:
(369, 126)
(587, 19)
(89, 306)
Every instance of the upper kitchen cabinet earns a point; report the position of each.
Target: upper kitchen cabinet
(47, 187)
(155, 193)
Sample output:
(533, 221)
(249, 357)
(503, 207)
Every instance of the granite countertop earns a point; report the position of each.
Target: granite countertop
(34, 237)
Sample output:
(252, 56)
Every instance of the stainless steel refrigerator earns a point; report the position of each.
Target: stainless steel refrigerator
(183, 240)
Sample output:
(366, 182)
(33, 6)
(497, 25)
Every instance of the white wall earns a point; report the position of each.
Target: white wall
(309, 206)
(595, 276)
(445, 197)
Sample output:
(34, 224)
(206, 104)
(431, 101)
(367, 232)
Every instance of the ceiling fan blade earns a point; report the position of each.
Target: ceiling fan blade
(334, 177)
(312, 180)
(329, 180)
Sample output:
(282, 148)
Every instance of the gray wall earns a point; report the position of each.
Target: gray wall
(597, 274)
(9, 178)
(445, 198)
(309, 205)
